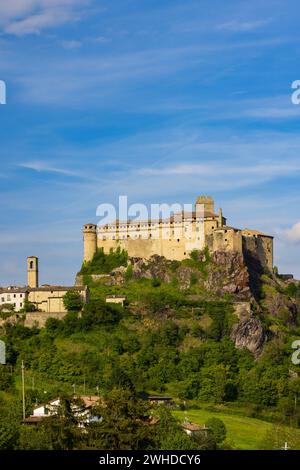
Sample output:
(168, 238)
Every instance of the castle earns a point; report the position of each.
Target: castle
(176, 236)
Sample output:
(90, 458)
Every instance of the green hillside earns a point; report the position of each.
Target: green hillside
(177, 334)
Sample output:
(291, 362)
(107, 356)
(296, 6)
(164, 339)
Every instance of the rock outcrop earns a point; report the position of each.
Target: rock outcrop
(228, 273)
(248, 333)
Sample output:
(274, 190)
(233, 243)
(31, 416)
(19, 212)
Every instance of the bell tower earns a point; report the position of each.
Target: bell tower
(33, 271)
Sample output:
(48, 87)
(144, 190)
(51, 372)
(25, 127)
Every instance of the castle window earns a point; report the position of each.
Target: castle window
(178, 240)
(213, 227)
(225, 239)
(21, 304)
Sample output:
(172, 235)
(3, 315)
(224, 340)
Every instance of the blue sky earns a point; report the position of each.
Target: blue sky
(160, 101)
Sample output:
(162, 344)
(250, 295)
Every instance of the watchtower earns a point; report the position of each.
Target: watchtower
(205, 205)
(89, 241)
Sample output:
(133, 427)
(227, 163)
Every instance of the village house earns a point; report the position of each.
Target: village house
(82, 407)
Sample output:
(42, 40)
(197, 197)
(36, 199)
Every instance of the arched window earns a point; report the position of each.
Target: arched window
(31, 265)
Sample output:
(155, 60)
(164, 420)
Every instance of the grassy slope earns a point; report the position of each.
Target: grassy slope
(243, 433)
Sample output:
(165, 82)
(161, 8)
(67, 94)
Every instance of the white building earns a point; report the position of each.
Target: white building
(13, 296)
(81, 407)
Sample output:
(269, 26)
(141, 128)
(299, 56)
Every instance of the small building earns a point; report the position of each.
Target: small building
(116, 299)
(192, 429)
(155, 399)
(14, 296)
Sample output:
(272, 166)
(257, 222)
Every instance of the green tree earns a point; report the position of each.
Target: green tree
(29, 307)
(213, 383)
(124, 425)
(105, 263)
(170, 434)
(6, 311)
(217, 428)
(9, 424)
(56, 432)
(6, 379)
(34, 438)
(72, 301)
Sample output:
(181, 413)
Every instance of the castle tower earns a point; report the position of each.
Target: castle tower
(33, 271)
(205, 205)
(89, 241)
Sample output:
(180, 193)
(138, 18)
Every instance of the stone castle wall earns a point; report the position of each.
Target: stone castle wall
(175, 239)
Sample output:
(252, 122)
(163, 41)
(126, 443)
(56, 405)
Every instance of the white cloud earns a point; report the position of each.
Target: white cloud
(293, 234)
(22, 17)
(237, 26)
(40, 166)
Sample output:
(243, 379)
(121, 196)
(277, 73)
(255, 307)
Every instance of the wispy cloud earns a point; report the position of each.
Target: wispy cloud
(238, 26)
(98, 78)
(23, 17)
(42, 166)
(263, 169)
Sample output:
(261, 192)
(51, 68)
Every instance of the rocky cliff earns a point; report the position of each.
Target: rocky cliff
(263, 305)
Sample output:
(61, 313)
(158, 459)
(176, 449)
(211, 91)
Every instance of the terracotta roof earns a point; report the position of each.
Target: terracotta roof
(194, 427)
(13, 290)
(89, 400)
(46, 288)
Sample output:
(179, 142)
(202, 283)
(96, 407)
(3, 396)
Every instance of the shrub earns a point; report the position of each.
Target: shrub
(104, 264)
(72, 301)
(217, 428)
